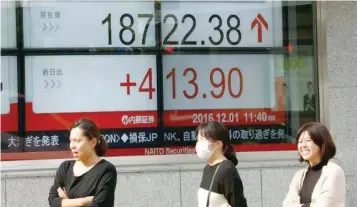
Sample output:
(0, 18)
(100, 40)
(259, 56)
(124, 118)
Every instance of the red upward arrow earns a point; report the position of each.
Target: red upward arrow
(259, 20)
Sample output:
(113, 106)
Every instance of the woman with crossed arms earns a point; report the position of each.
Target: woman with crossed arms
(88, 180)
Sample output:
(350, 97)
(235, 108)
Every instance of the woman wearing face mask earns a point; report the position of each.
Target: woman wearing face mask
(221, 185)
(322, 183)
(88, 180)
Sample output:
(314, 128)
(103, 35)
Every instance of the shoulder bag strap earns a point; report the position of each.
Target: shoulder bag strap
(210, 187)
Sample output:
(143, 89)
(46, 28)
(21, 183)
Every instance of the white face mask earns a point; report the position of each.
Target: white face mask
(203, 149)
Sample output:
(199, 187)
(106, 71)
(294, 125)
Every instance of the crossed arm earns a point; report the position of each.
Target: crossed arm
(58, 197)
(77, 202)
(104, 193)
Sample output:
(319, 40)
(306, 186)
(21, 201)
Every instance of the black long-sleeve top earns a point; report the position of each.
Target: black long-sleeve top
(227, 187)
(100, 182)
(312, 176)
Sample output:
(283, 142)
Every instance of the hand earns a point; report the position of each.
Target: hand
(88, 200)
(62, 193)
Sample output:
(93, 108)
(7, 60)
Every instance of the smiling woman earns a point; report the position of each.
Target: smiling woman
(88, 180)
(323, 182)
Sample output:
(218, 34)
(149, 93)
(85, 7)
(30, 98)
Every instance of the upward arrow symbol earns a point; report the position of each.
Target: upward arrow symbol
(258, 22)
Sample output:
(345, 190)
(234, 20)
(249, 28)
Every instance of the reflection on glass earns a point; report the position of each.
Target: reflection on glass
(149, 72)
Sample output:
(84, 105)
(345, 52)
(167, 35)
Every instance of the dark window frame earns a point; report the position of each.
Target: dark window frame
(20, 52)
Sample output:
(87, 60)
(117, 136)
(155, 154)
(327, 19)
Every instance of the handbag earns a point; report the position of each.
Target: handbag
(210, 186)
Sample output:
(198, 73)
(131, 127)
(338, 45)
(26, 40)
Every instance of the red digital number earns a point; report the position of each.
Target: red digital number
(150, 89)
(230, 82)
(217, 82)
(192, 82)
(221, 84)
(173, 75)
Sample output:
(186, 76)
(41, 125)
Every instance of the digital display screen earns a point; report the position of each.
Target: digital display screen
(152, 91)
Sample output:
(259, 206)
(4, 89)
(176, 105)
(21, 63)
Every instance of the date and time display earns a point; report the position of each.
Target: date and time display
(233, 89)
(239, 90)
(141, 90)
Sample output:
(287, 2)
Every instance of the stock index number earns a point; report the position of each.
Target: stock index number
(127, 27)
(233, 23)
(233, 34)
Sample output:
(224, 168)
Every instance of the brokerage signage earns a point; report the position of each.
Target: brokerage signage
(121, 90)
(132, 24)
(94, 84)
(145, 103)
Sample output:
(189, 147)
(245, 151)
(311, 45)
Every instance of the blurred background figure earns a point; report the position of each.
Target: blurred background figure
(309, 98)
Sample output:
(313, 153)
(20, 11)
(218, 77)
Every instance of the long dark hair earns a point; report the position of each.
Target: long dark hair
(91, 131)
(216, 131)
